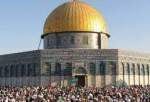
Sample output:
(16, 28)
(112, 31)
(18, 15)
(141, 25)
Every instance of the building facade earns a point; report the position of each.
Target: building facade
(75, 53)
(91, 67)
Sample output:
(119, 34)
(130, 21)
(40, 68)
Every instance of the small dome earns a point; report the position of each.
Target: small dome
(74, 16)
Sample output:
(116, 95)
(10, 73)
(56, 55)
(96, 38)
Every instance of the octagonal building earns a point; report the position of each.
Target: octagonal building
(76, 52)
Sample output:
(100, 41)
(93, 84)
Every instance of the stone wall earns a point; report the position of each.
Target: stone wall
(101, 67)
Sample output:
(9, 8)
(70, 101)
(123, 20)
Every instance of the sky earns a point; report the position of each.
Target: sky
(21, 23)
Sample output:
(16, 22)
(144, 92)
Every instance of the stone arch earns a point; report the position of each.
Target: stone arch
(128, 73)
(133, 72)
(80, 70)
(143, 73)
(148, 73)
(139, 72)
(133, 69)
(123, 72)
(122, 68)
(143, 70)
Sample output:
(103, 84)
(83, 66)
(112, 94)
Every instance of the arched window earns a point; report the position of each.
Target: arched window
(29, 70)
(23, 70)
(123, 72)
(72, 39)
(85, 40)
(102, 68)
(92, 68)
(58, 40)
(2, 71)
(18, 70)
(34, 69)
(6, 71)
(57, 69)
(148, 73)
(80, 70)
(49, 69)
(113, 67)
(68, 69)
(47, 41)
(138, 72)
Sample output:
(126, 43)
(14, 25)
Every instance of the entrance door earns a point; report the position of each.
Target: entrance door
(81, 80)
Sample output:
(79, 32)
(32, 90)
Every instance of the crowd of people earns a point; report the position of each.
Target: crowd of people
(75, 94)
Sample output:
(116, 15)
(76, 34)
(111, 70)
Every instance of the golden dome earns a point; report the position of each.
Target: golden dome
(74, 16)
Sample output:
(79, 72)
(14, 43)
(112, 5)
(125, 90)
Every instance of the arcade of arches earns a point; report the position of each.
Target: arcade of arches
(135, 74)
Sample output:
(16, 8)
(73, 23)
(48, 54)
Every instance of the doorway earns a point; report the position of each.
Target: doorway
(81, 80)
